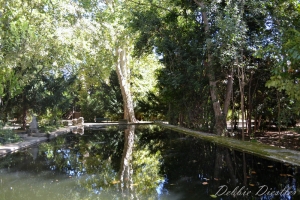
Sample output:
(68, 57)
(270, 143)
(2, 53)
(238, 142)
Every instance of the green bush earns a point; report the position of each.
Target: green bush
(297, 129)
(65, 123)
(8, 136)
(45, 128)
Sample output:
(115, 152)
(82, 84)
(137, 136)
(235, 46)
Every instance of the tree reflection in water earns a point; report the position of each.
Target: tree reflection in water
(94, 159)
(139, 171)
(235, 177)
(138, 163)
(126, 169)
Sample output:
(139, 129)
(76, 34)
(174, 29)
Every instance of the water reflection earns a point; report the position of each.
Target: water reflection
(143, 162)
(126, 169)
(258, 178)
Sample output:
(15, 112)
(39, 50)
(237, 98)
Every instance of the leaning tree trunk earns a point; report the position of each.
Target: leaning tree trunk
(123, 76)
(220, 125)
(220, 115)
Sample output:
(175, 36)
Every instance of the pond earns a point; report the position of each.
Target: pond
(141, 162)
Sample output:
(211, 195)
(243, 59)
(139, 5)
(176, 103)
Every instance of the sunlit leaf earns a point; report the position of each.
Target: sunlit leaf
(115, 182)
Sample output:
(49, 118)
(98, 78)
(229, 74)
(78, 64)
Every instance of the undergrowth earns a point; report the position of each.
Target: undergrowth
(8, 136)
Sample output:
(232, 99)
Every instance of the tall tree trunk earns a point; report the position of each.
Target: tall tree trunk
(220, 125)
(24, 115)
(123, 77)
(278, 115)
(241, 76)
(4, 105)
(122, 69)
(250, 105)
(220, 116)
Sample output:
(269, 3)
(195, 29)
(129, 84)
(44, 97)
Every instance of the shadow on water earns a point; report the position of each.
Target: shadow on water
(141, 162)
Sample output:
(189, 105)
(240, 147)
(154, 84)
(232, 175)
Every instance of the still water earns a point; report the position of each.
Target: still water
(141, 162)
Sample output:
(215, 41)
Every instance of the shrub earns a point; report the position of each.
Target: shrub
(65, 123)
(297, 129)
(8, 136)
(45, 129)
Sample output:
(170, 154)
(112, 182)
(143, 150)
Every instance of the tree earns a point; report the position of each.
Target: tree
(32, 54)
(173, 35)
(285, 74)
(220, 39)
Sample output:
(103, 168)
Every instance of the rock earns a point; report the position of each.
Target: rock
(80, 130)
(74, 122)
(80, 121)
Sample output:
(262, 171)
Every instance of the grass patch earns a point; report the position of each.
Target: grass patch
(49, 128)
(8, 136)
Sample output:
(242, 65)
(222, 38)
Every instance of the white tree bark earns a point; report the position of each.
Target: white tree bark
(120, 46)
(123, 75)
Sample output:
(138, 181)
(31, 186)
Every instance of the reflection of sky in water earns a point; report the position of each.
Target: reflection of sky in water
(160, 189)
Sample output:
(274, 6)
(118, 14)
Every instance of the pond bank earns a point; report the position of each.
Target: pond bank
(262, 150)
(28, 141)
(255, 148)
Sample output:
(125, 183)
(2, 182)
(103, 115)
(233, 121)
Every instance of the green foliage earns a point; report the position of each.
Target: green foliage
(285, 75)
(8, 136)
(297, 129)
(147, 170)
(153, 107)
(59, 55)
(176, 37)
(244, 34)
(47, 128)
(32, 57)
(102, 100)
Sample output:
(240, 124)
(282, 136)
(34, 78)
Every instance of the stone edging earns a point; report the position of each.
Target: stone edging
(29, 141)
(255, 148)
